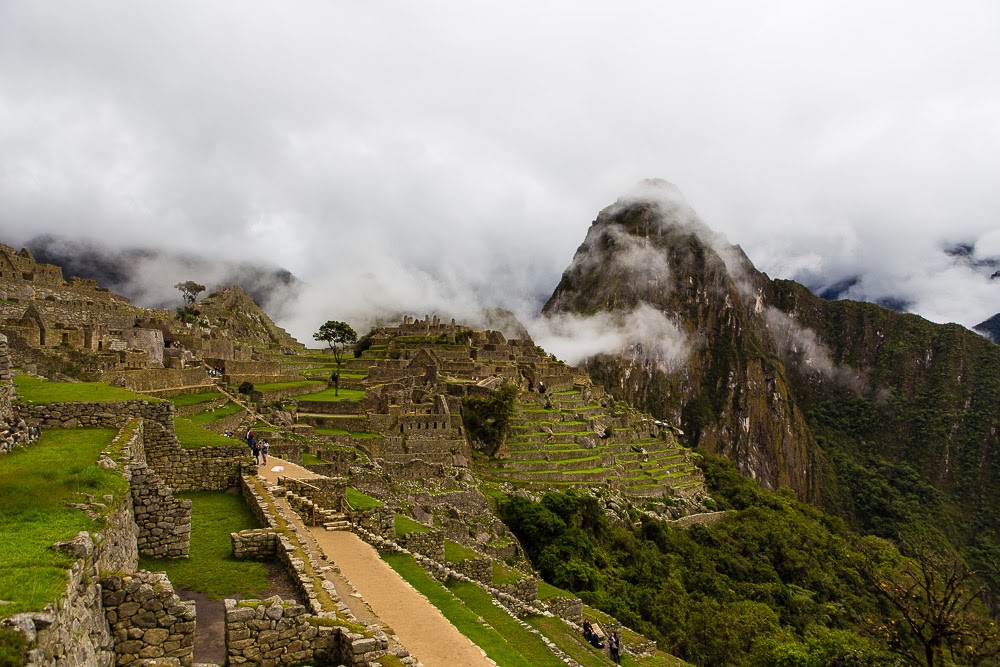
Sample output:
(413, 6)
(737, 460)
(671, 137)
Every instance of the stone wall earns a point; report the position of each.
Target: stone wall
(147, 619)
(429, 544)
(570, 609)
(378, 521)
(276, 632)
(344, 407)
(164, 523)
(290, 451)
(477, 569)
(259, 544)
(14, 431)
(95, 415)
(203, 469)
(163, 379)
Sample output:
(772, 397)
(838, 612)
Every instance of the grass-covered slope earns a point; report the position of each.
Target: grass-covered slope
(36, 485)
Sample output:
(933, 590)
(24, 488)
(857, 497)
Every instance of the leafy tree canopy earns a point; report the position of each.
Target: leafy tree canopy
(190, 291)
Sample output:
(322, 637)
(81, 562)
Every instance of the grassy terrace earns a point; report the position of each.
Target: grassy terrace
(36, 390)
(280, 386)
(36, 482)
(328, 395)
(193, 436)
(207, 416)
(405, 525)
(211, 568)
(360, 501)
(195, 399)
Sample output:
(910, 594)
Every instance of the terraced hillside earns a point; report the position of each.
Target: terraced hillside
(570, 439)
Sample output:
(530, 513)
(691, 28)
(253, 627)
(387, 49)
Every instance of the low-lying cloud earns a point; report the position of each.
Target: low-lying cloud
(645, 330)
(423, 167)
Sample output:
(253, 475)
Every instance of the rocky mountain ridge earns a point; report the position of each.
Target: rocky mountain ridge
(797, 390)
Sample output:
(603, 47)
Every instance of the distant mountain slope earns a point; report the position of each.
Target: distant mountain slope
(147, 276)
(840, 400)
(730, 388)
(990, 328)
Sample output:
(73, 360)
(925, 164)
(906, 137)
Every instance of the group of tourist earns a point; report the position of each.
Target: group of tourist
(259, 449)
(595, 636)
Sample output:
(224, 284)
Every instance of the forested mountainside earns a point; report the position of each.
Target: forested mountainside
(882, 417)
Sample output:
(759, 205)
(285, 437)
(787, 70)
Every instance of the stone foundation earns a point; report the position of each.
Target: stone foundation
(147, 618)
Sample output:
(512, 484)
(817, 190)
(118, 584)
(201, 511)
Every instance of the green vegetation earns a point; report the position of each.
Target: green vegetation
(505, 575)
(486, 635)
(406, 525)
(530, 646)
(486, 418)
(195, 399)
(456, 553)
(775, 578)
(339, 336)
(36, 483)
(36, 390)
(12, 647)
(331, 395)
(360, 502)
(211, 568)
(215, 414)
(309, 459)
(193, 436)
(281, 386)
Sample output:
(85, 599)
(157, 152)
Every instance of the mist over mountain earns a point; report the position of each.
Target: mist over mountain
(147, 276)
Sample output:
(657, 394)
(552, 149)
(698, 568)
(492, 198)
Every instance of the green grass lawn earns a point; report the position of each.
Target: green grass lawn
(456, 553)
(405, 525)
(506, 575)
(192, 436)
(37, 390)
(277, 386)
(36, 482)
(211, 568)
(361, 501)
(194, 399)
(207, 416)
(328, 395)
(492, 634)
(309, 459)
(547, 590)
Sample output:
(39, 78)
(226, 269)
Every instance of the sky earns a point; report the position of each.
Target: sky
(424, 157)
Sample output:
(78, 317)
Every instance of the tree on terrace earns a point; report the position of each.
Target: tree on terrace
(190, 291)
(338, 336)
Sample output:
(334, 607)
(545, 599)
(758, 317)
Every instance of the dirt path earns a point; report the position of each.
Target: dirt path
(421, 628)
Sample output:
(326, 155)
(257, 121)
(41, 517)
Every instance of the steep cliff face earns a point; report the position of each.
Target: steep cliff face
(909, 390)
(721, 376)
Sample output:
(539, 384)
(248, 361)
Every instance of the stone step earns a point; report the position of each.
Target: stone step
(338, 525)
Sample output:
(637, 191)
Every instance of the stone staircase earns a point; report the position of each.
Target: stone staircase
(313, 514)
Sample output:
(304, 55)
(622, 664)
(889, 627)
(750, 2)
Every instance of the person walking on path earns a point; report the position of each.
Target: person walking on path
(614, 647)
(255, 450)
(265, 447)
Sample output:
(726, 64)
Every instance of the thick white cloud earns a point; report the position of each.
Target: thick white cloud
(422, 156)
